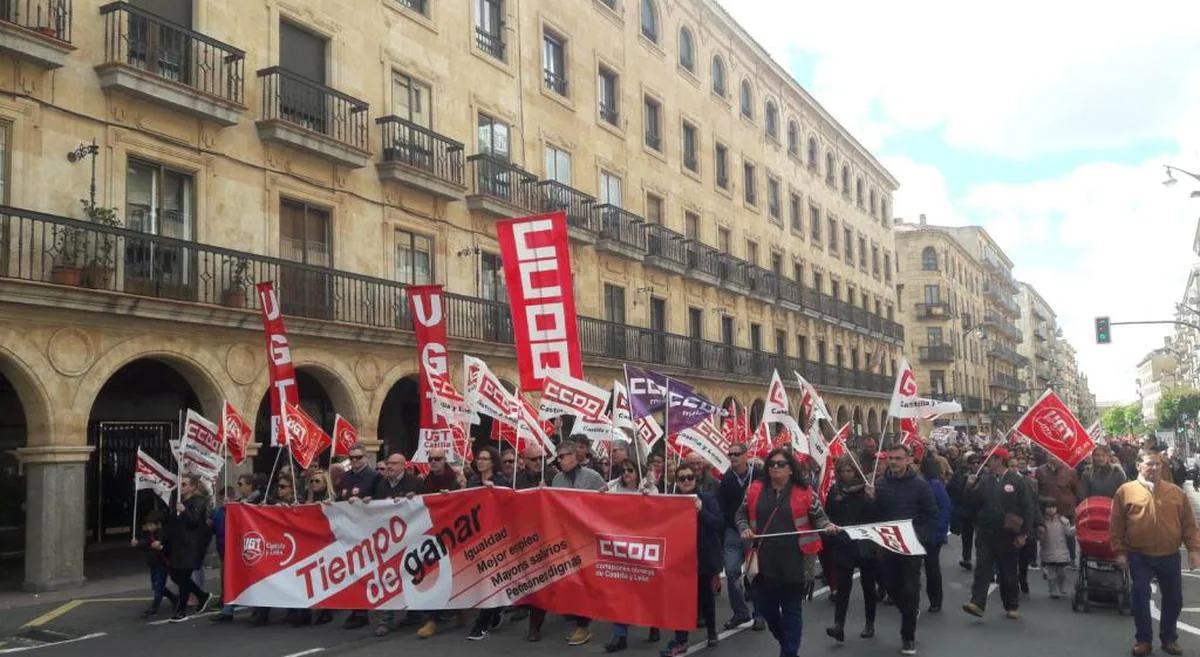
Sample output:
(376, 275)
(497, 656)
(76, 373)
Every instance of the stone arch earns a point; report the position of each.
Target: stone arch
(858, 426)
(756, 412)
(872, 422)
(843, 415)
(25, 405)
(31, 391)
(399, 416)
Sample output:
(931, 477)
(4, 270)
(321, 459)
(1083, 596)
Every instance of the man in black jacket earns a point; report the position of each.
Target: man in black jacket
(730, 494)
(358, 484)
(904, 495)
(1002, 507)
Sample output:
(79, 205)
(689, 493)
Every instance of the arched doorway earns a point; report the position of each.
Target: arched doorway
(314, 400)
(139, 407)
(857, 428)
(13, 436)
(843, 416)
(756, 413)
(872, 422)
(400, 417)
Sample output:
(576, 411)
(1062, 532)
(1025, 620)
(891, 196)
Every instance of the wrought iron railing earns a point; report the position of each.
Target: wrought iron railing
(734, 270)
(763, 282)
(146, 41)
(490, 42)
(791, 292)
(936, 353)
(555, 82)
(504, 181)
(556, 196)
(937, 309)
(50, 18)
(609, 113)
(407, 143)
(662, 242)
(293, 99)
(621, 226)
(703, 259)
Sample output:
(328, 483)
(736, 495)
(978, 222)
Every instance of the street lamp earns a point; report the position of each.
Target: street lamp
(1171, 181)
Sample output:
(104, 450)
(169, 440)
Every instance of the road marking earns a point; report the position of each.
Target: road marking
(1191, 610)
(96, 635)
(189, 618)
(1156, 615)
(310, 651)
(68, 606)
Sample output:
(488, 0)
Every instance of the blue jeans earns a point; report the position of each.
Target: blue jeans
(158, 586)
(1142, 569)
(620, 630)
(780, 606)
(735, 553)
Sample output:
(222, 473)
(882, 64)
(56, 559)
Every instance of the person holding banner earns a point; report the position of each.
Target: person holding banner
(785, 509)
(731, 493)
(629, 482)
(848, 504)
(487, 462)
(1001, 507)
(187, 541)
(708, 552)
(571, 474)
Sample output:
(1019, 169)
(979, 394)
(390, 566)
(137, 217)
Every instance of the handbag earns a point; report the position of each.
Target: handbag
(750, 566)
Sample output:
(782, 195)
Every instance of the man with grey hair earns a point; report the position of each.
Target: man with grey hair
(536, 471)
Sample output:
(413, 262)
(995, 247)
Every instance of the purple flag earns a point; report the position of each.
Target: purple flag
(647, 391)
(651, 392)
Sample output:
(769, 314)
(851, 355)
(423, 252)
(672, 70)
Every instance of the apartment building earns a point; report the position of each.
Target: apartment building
(1156, 374)
(723, 224)
(1039, 324)
(1185, 342)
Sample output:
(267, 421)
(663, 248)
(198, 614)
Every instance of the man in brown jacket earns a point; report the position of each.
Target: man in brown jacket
(1150, 519)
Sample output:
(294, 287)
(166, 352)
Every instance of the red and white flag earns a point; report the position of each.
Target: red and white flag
(897, 536)
(646, 428)
(344, 436)
(906, 403)
(706, 440)
(281, 373)
(485, 395)
(441, 405)
(837, 449)
(776, 411)
(235, 433)
(200, 449)
(563, 394)
(1051, 424)
(536, 255)
(149, 474)
(305, 438)
(911, 437)
(811, 402)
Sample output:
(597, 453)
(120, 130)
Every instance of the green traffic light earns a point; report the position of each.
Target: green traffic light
(1102, 331)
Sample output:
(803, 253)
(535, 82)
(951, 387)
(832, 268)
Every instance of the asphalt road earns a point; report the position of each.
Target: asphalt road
(111, 626)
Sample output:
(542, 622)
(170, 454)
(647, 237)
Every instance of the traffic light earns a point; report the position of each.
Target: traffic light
(1103, 336)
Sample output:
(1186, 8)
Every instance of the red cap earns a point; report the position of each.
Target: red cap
(1001, 452)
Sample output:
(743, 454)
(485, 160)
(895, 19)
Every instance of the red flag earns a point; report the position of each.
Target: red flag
(305, 438)
(837, 449)
(427, 306)
(911, 437)
(235, 433)
(1051, 424)
(281, 373)
(536, 255)
(344, 436)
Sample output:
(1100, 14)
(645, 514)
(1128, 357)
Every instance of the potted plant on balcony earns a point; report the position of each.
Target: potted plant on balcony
(98, 271)
(70, 256)
(51, 24)
(239, 281)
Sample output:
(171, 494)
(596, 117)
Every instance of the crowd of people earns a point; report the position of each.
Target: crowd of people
(761, 522)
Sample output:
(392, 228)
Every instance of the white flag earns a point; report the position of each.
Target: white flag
(706, 440)
(200, 449)
(897, 536)
(149, 474)
(563, 394)
(776, 410)
(906, 403)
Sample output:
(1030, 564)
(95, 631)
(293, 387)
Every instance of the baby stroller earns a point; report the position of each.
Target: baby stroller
(1100, 580)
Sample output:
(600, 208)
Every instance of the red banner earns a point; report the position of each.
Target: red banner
(537, 268)
(280, 371)
(1051, 424)
(623, 558)
(305, 438)
(427, 307)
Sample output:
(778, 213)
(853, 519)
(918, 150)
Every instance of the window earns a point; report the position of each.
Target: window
(818, 281)
(749, 189)
(845, 180)
(723, 237)
(812, 153)
(721, 165)
(781, 342)
(802, 347)
(304, 236)
(606, 83)
(610, 189)
(747, 100)
(833, 236)
(491, 278)
(654, 209)
(653, 123)
(874, 203)
(772, 120)
(862, 252)
(493, 137)
(489, 26)
(752, 252)
(887, 267)
(848, 240)
(755, 337)
(793, 139)
(414, 258)
(835, 288)
(875, 260)
(933, 294)
(726, 330)
(554, 64)
(687, 50)
(933, 336)
(696, 323)
(798, 272)
(830, 164)
(795, 212)
(814, 221)
(650, 20)
(858, 193)
(614, 303)
(158, 201)
(773, 208)
(883, 212)
(691, 225)
(777, 264)
(690, 139)
(411, 100)
(5, 140)
(821, 351)
(937, 382)
(658, 318)
(718, 76)
(558, 165)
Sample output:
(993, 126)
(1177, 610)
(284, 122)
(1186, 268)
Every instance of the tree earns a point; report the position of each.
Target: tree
(1134, 422)
(1113, 421)
(1174, 403)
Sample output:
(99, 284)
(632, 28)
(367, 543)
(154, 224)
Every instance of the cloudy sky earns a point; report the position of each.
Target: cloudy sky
(1048, 123)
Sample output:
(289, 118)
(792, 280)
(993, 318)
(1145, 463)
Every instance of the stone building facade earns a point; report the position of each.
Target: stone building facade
(1038, 322)
(723, 224)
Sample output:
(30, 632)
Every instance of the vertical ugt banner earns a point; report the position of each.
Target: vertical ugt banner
(537, 268)
(427, 307)
(281, 372)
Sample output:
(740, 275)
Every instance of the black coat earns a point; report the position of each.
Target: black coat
(188, 534)
(908, 496)
(710, 536)
(844, 509)
(993, 497)
(731, 493)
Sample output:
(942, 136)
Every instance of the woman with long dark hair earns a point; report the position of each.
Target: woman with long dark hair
(849, 504)
(783, 513)
(486, 472)
(187, 541)
(709, 553)
(935, 474)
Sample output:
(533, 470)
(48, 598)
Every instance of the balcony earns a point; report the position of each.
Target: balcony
(936, 353)
(501, 188)
(842, 310)
(555, 82)
(582, 225)
(791, 294)
(1041, 352)
(971, 404)
(36, 31)
(937, 310)
(420, 159)
(1007, 382)
(491, 43)
(703, 263)
(1039, 334)
(313, 118)
(666, 249)
(1007, 354)
(609, 113)
(151, 58)
(1000, 324)
(621, 232)
(734, 274)
(764, 284)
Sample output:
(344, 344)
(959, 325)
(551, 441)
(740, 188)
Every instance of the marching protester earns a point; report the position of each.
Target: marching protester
(957, 492)
(1054, 534)
(358, 485)
(1103, 476)
(708, 553)
(487, 460)
(285, 494)
(730, 493)
(1000, 504)
(849, 504)
(187, 541)
(782, 561)
(151, 541)
(934, 469)
(246, 491)
(571, 474)
(1028, 555)
(537, 471)
(705, 481)
(397, 481)
(1151, 519)
(629, 482)
(903, 495)
(441, 478)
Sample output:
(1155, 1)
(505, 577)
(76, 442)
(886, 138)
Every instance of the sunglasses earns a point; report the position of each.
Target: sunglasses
(780, 464)
(357, 458)
(436, 459)
(565, 455)
(734, 455)
(509, 461)
(687, 478)
(628, 470)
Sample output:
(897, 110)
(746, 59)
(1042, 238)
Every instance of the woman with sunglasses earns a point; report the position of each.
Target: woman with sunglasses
(486, 473)
(710, 554)
(320, 490)
(784, 509)
(849, 504)
(629, 482)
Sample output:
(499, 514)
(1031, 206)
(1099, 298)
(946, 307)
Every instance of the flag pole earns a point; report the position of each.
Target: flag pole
(181, 457)
(517, 445)
(133, 524)
(667, 436)
(278, 449)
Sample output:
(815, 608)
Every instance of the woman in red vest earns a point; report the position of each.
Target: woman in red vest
(780, 512)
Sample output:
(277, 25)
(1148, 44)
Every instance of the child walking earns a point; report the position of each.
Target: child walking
(1054, 535)
(150, 541)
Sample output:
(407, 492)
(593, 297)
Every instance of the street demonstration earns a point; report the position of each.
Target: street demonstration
(639, 501)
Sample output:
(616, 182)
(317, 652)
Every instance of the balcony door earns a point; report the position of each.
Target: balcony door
(305, 238)
(158, 202)
(303, 55)
(411, 102)
(658, 324)
(162, 47)
(614, 313)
